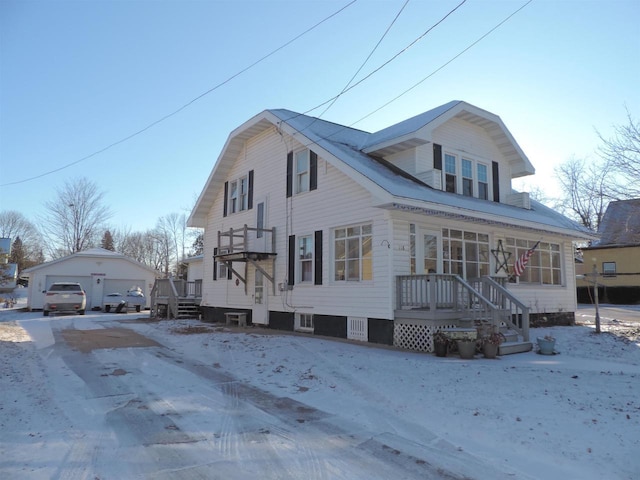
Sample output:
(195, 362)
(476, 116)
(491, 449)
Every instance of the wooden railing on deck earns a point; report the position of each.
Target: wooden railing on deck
(445, 292)
(173, 290)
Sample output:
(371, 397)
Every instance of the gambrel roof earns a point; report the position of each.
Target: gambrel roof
(357, 154)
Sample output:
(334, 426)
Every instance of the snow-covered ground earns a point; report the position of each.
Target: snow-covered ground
(572, 415)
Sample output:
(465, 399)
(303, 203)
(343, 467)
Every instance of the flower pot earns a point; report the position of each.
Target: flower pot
(440, 349)
(490, 350)
(466, 348)
(545, 346)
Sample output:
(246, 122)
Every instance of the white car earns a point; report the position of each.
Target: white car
(65, 297)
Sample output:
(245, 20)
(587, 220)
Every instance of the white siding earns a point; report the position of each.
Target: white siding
(337, 202)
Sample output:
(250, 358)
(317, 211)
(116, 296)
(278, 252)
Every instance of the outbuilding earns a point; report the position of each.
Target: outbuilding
(99, 271)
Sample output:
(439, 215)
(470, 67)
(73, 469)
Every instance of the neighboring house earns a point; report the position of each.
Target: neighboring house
(99, 271)
(382, 237)
(195, 268)
(616, 257)
(8, 271)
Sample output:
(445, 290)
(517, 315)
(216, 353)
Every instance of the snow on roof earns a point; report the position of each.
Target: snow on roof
(344, 142)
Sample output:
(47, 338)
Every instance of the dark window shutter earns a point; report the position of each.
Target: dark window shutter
(250, 199)
(289, 174)
(317, 260)
(226, 196)
(291, 271)
(437, 156)
(496, 182)
(229, 272)
(313, 167)
(215, 264)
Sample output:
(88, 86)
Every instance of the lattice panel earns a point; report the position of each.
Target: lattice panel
(415, 337)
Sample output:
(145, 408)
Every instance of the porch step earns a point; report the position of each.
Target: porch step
(188, 310)
(509, 347)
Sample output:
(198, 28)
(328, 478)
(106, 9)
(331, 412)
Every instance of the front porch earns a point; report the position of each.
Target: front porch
(445, 302)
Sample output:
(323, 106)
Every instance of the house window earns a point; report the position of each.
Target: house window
(353, 256)
(465, 253)
(305, 259)
(450, 173)
(544, 266)
(223, 270)
(609, 269)
(239, 194)
(304, 321)
(483, 182)
(302, 171)
(467, 178)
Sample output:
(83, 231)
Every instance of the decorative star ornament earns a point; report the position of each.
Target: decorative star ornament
(502, 258)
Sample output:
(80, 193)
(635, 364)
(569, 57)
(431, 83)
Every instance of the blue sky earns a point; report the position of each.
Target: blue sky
(75, 77)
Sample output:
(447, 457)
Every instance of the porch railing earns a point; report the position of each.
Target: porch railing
(173, 290)
(445, 292)
(517, 313)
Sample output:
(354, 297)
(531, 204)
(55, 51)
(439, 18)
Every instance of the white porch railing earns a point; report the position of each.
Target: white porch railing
(439, 292)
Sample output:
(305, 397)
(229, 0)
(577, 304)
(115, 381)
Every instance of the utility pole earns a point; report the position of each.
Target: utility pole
(595, 274)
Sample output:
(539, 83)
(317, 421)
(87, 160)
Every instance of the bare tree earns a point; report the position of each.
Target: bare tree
(622, 153)
(75, 217)
(15, 225)
(586, 190)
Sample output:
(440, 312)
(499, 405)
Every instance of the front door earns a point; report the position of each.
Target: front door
(260, 309)
(428, 251)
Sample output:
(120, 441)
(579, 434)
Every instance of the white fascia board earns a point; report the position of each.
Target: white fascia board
(462, 214)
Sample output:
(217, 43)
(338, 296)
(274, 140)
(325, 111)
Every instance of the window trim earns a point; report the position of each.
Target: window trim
(609, 273)
(297, 189)
(517, 246)
(304, 322)
(309, 240)
(238, 199)
(459, 177)
(363, 259)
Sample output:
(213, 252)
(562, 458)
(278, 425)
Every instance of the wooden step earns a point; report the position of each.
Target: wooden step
(507, 348)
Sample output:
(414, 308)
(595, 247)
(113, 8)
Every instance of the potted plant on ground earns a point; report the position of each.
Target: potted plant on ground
(491, 343)
(546, 345)
(440, 344)
(466, 346)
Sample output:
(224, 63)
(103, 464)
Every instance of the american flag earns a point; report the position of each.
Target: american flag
(521, 263)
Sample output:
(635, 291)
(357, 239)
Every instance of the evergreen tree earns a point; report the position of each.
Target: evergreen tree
(107, 241)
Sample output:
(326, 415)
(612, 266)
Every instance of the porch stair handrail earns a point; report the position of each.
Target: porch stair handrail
(173, 299)
(518, 318)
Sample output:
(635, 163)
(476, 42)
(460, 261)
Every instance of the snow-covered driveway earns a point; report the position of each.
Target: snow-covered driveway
(150, 411)
(110, 396)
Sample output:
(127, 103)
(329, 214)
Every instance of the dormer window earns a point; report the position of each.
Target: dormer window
(472, 179)
(450, 173)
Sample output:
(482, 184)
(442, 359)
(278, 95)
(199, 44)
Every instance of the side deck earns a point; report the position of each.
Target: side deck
(173, 298)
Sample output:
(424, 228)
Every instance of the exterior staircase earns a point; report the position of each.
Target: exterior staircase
(513, 343)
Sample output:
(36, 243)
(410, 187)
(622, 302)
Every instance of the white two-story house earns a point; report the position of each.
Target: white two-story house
(384, 237)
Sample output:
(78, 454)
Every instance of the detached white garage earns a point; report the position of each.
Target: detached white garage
(99, 271)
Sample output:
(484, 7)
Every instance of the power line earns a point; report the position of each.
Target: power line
(391, 59)
(339, 130)
(443, 65)
(189, 103)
